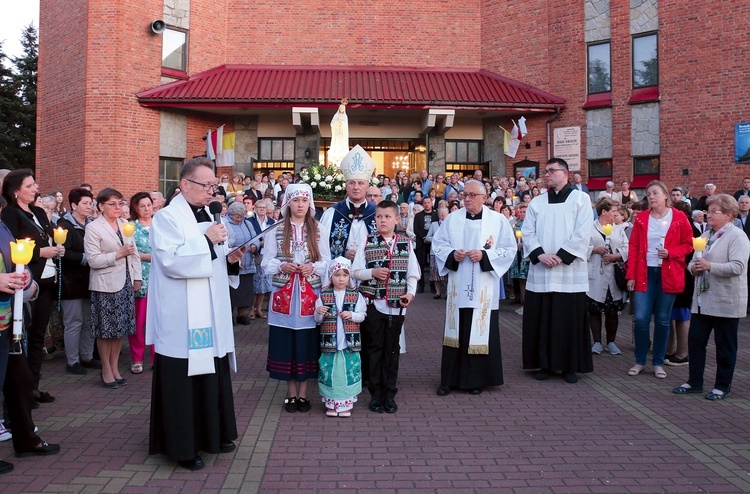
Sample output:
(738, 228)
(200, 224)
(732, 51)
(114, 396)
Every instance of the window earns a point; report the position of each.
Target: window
(169, 173)
(600, 80)
(174, 49)
(463, 152)
(275, 154)
(600, 168)
(645, 61)
(646, 165)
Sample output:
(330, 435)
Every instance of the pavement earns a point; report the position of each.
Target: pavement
(609, 433)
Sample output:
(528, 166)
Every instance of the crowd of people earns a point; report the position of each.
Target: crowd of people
(175, 274)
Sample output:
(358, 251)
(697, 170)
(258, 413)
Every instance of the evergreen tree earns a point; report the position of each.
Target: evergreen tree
(26, 72)
(10, 109)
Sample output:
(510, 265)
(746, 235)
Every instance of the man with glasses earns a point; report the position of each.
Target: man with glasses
(190, 324)
(422, 222)
(556, 234)
(474, 246)
(374, 195)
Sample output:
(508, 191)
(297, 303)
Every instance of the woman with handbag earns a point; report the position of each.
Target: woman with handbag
(606, 249)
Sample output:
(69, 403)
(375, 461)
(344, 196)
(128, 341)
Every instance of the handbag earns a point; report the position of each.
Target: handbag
(620, 280)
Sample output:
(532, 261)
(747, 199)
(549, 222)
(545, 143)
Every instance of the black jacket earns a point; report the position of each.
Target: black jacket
(75, 273)
(22, 225)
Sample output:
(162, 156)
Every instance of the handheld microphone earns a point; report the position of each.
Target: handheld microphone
(215, 209)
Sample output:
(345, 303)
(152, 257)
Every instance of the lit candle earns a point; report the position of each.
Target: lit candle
(21, 252)
(60, 235)
(607, 229)
(128, 229)
(519, 234)
(699, 245)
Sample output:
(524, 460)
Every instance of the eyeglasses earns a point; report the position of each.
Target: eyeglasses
(120, 204)
(472, 195)
(718, 211)
(550, 171)
(206, 187)
(370, 196)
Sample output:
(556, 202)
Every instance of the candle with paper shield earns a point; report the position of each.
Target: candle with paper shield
(699, 245)
(607, 229)
(128, 229)
(21, 252)
(60, 235)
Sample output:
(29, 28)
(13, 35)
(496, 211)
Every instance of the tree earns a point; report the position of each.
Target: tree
(26, 72)
(10, 109)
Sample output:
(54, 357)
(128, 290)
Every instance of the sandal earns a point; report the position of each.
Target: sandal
(636, 369)
(717, 394)
(331, 413)
(685, 389)
(290, 404)
(136, 368)
(660, 373)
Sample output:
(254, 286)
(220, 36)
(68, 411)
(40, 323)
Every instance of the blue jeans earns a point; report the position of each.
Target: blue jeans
(652, 301)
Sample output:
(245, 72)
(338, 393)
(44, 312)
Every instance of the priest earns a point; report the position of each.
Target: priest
(351, 220)
(474, 246)
(189, 322)
(556, 234)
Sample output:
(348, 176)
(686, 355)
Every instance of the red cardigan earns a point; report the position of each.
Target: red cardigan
(678, 243)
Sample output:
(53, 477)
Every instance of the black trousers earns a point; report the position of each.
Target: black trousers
(380, 335)
(41, 310)
(18, 400)
(725, 338)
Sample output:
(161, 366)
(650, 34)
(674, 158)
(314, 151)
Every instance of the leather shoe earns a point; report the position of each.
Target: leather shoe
(194, 464)
(475, 391)
(542, 375)
(43, 397)
(443, 390)
(43, 449)
(244, 320)
(227, 447)
(390, 406)
(5, 467)
(376, 406)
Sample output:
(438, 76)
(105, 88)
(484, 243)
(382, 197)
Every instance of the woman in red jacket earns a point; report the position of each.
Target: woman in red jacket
(661, 239)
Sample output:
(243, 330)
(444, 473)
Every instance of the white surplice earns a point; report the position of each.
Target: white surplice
(180, 253)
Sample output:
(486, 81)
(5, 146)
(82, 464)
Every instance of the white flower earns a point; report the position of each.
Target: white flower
(329, 178)
(317, 176)
(374, 181)
(304, 176)
(337, 188)
(314, 184)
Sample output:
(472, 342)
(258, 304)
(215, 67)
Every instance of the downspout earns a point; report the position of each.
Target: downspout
(427, 151)
(549, 121)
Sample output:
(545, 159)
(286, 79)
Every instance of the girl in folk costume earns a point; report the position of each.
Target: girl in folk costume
(296, 260)
(339, 310)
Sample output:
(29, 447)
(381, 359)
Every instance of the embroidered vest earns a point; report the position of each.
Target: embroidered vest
(328, 341)
(280, 279)
(341, 224)
(377, 255)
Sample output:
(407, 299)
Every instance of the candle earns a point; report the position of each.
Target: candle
(519, 234)
(60, 235)
(21, 252)
(128, 229)
(699, 245)
(607, 229)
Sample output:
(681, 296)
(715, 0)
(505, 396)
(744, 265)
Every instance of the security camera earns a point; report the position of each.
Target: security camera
(158, 26)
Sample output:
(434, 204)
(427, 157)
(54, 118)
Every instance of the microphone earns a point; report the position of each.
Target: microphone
(215, 209)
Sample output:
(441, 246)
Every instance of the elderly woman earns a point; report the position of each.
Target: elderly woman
(440, 281)
(115, 277)
(236, 186)
(604, 296)
(243, 296)
(24, 220)
(719, 298)
(141, 213)
(75, 296)
(661, 239)
(261, 281)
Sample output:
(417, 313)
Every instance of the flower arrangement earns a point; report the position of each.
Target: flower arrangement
(327, 182)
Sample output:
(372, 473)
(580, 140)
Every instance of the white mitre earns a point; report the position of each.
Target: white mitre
(357, 165)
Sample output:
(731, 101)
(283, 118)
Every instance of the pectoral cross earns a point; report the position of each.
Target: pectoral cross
(470, 291)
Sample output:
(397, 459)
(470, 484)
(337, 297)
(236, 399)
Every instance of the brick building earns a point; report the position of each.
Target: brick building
(655, 88)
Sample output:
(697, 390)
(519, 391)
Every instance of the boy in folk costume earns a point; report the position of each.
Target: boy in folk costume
(339, 310)
(296, 259)
(389, 272)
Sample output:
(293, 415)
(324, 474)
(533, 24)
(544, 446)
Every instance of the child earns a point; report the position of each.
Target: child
(296, 259)
(389, 271)
(339, 310)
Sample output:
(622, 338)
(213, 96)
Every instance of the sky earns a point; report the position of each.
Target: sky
(15, 16)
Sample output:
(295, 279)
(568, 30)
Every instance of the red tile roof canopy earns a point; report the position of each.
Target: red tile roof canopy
(373, 87)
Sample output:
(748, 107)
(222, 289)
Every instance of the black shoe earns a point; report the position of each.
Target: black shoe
(43, 397)
(290, 404)
(676, 361)
(475, 391)
(91, 364)
(34, 406)
(376, 406)
(5, 467)
(112, 385)
(76, 369)
(436, 296)
(121, 382)
(443, 390)
(43, 449)
(244, 320)
(227, 447)
(542, 375)
(194, 464)
(390, 406)
(570, 377)
(420, 289)
(303, 405)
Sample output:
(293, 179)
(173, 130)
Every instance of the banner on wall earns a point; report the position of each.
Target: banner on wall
(567, 145)
(742, 142)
